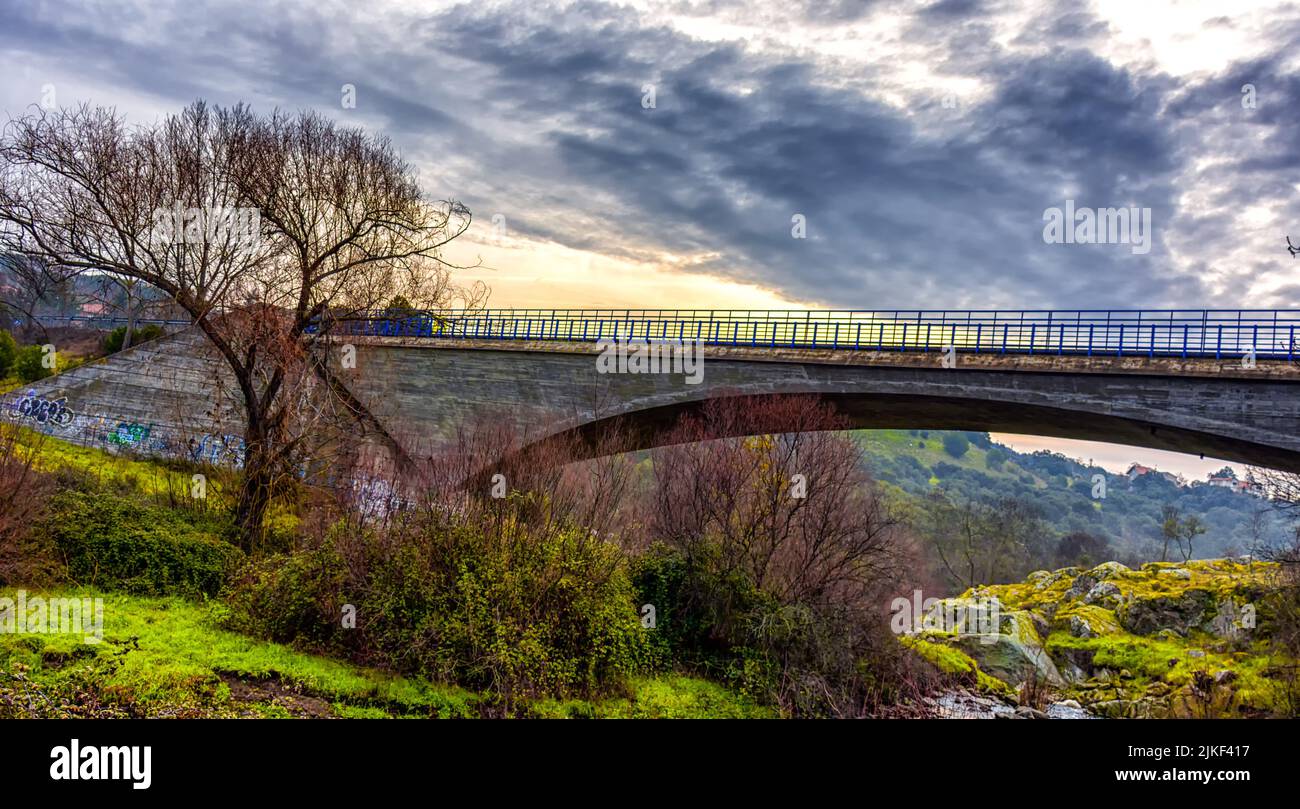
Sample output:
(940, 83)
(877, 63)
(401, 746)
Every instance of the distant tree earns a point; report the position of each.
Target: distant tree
(1191, 527)
(1170, 523)
(984, 542)
(119, 339)
(994, 459)
(1082, 549)
(956, 444)
(399, 303)
(1180, 530)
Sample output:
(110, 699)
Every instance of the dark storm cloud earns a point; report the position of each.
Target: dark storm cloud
(736, 146)
(538, 114)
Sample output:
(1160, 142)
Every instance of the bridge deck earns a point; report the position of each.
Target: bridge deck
(1218, 334)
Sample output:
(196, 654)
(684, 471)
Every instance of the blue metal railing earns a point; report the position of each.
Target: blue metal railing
(1220, 333)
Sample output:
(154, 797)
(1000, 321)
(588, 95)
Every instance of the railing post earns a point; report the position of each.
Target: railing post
(1120, 353)
(903, 345)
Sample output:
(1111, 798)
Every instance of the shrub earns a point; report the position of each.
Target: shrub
(24, 494)
(491, 606)
(8, 352)
(811, 659)
(956, 444)
(113, 342)
(29, 364)
(114, 543)
(778, 594)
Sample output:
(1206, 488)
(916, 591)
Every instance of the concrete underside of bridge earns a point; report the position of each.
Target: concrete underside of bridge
(422, 388)
(161, 396)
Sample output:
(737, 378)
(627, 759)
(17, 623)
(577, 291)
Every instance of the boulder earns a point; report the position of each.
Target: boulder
(1104, 593)
(1081, 586)
(1180, 612)
(1014, 653)
(1225, 622)
(1107, 570)
(1089, 622)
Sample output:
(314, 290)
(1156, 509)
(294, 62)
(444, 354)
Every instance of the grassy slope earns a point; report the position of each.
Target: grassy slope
(166, 657)
(894, 443)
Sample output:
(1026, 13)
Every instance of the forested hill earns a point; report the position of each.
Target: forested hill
(964, 467)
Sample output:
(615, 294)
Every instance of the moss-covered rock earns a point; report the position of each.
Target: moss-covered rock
(1166, 639)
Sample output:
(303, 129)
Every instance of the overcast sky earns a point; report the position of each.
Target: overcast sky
(920, 141)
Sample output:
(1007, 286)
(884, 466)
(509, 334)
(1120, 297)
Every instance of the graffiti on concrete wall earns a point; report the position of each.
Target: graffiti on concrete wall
(128, 435)
(218, 450)
(51, 412)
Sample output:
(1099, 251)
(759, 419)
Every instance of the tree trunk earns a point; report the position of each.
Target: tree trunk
(254, 489)
(130, 321)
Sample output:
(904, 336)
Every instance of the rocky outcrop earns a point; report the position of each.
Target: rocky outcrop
(1167, 639)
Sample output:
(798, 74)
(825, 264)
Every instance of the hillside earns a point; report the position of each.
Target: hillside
(1128, 517)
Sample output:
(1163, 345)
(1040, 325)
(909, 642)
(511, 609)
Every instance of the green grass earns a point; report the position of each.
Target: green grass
(669, 696)
(167, 657)
(164, 481)
(123, 472)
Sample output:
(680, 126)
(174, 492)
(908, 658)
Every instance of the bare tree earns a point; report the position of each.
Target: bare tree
(24, 494)
(338, 225)
(1170, 529)
(984, 542)
(795, 512)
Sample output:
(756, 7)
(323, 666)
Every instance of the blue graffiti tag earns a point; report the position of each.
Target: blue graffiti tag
(54, 412)
(218, 449)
